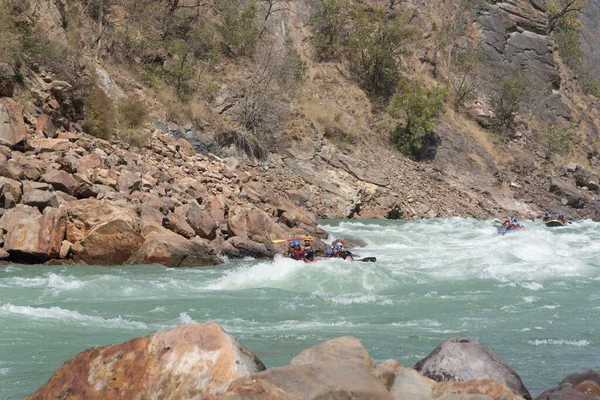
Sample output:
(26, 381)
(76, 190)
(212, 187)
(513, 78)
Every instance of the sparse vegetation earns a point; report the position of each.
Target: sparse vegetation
(463, 76)
(240, 28)
(509, 96)
(560, 139)
(566, 28)
(101, 116)
(419, 107)
(328, 28)
(132, 114)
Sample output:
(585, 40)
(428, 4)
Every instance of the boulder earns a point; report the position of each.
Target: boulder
(17, 215)
(463, 359)
(485, 387)
(201, 222)
(12, 127)
(345, 348)
(217, 209)
(129, 180)
(7, 80)
(89, 161)
(410, 385)
(11, 169)
(38, 238)
(45, 126)
(584, 385)
(254, 224)
(178, 224)
(569, 192)
(65, 249)
(320, 380)
(40, 199)
(111, 233)
(50, 145)
(151, 218)
(10, 192)
(173, 250)
(61, 180)
(192, 361)
(387, 372)
(239, 247)
(185, 147)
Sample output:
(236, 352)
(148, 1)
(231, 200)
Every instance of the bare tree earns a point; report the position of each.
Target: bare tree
(565, 7)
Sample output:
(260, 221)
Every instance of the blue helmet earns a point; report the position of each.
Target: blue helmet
(328, 252)
(295, 243)
(336, 247)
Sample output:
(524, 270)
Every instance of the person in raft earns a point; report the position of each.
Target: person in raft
(562, 218)
(511, 224)
(309, 250)
(296, 251)
(547, 215)
(340, 252)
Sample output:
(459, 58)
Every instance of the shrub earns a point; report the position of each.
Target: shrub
(327, 26)
(244, 142)
(508, 99)
(373, 47)
(240, 29)
(132, 114)
(11, 42)
(101, 116)
(463, 76)
(419, 107)
(560, 139)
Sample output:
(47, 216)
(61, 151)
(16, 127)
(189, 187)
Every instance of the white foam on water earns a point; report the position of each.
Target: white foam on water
(158, 309)
(347, 299)
(60, 314)
(560, 342)
(531, 286)
(4, 371)
(49, 280)
(529, 299)
(184, 318)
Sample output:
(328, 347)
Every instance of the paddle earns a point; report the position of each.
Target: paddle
(367, 259)
(279, 240)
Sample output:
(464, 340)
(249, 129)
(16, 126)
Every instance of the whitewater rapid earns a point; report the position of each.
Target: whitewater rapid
(531, 296)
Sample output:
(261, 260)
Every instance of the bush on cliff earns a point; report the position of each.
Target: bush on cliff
(419, 107)
(508, 98)
(101, 116)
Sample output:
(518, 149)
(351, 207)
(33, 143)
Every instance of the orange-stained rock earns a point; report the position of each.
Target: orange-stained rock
(410, 385)
(192, 361)
(12, 127)
(321, 380)
(346, 348)
(45, 125)
(111, 234)
(61, 180)
(38, 238)
(487, 387)
(254, 224)
(173, 250)
(185, 147)
(110, 243)
(201, 222)
(387, 372)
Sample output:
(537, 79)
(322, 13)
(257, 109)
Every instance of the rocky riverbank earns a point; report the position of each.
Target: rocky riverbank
(201, 361)
(69, 197)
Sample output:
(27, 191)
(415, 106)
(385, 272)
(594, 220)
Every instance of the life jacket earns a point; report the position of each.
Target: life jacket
(297, 254)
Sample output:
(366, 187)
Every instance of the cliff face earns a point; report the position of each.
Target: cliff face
(591, 20)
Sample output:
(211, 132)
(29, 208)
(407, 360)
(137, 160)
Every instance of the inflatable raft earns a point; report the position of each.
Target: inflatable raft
(553, 223)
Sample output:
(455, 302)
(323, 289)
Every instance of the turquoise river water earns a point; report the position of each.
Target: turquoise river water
(533, 297)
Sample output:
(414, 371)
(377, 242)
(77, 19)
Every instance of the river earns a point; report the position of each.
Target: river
(533, 297)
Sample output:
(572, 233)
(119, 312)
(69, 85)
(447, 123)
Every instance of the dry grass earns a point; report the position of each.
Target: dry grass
(482, 137)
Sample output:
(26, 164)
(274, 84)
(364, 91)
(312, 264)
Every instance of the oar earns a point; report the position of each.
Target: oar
(367, 259)
(279, 240)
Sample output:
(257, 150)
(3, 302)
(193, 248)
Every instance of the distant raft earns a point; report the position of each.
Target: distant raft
(553, 223)
(503, 231)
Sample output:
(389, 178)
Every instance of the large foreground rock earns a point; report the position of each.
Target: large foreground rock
(193, 361)
(463, 359)
(320, 380)
(584, 385)
(345, 348)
